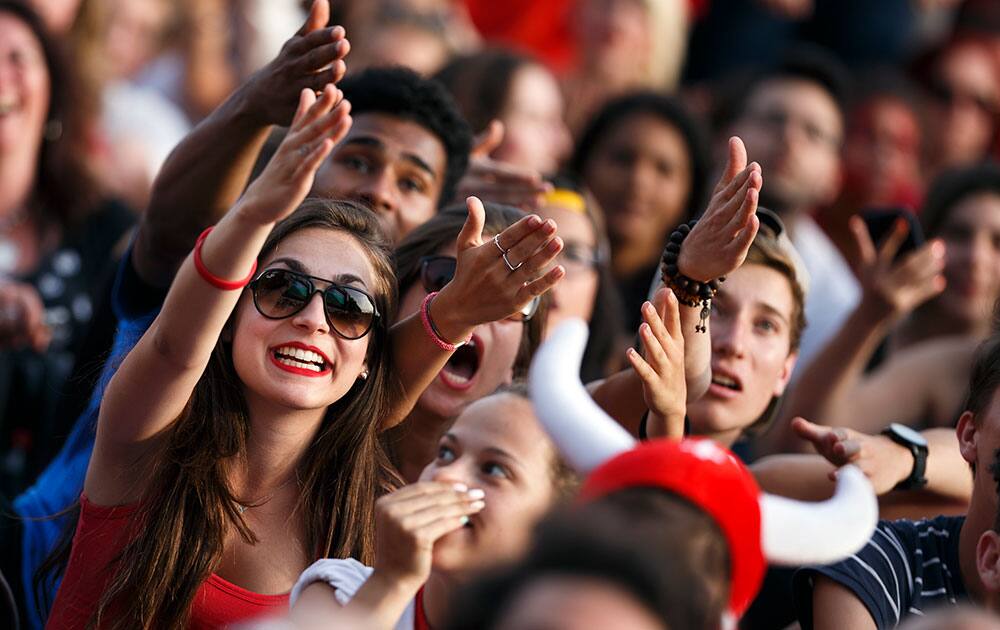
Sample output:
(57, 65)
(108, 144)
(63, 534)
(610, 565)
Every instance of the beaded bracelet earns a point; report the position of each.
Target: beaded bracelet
(212, 279)
(689, 292)
(431, 330)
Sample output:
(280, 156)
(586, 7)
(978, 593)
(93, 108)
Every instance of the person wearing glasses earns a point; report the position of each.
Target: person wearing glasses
(492, 355)
(238, 441)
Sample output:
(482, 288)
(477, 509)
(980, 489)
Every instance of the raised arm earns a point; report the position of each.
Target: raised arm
(206, 173)
(716, 247)
(156, 379)
(831, 388)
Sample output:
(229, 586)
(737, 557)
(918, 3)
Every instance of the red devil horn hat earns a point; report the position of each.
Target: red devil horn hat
(759, 528)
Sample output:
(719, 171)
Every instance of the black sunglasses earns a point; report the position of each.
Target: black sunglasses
(437, 271)
(281, 293)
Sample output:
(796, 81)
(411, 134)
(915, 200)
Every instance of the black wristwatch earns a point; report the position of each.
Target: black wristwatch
(905, 436)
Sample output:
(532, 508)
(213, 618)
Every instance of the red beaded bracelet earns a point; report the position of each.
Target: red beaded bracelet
(425, 317)
(209, 277)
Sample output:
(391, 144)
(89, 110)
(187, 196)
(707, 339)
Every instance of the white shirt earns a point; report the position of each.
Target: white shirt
(834, 291)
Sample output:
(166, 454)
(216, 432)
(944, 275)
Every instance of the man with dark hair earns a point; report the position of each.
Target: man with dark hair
(792, 122)
(908, 567)
(405, 152)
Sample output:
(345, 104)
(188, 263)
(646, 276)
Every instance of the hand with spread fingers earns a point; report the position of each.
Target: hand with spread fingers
(310, 59)
(319, 123)
(891, 289)
(661, 366)
(22, 317)
(410, 520)
(719, 243)
(496, 181)
(884, 462)
(497, 277)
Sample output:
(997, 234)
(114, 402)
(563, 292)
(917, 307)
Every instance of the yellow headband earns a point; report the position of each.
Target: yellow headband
(566, 198)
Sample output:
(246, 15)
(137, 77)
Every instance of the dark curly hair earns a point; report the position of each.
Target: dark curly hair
(403, 93)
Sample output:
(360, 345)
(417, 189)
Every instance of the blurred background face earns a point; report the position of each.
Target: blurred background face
(135, 32)
(965, 101)
(882, 154)
(498, 445)
(615, 37)
(793, 128)
(24, 85)
(751, 336)
(476, 369)
(57, 14)
(640, 173)
(971, 234)
(565, 602)
(574, 295)
(535, 135)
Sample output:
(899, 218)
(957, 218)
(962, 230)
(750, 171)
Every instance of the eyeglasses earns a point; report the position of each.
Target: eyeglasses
(281, 293)
(777, 119)
(437, 271)
(577, 258)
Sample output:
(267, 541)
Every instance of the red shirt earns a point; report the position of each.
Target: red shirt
(100, 535)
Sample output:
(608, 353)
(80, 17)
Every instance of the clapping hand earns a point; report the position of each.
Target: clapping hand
(318, 125)
(719, 243)
(310, 59)
(496, 277)
(661, 366)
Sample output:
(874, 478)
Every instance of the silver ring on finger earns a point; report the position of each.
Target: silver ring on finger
(304, 151)
(503, 252)
(509, 265)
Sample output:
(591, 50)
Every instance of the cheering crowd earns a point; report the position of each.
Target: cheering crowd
(407, 314)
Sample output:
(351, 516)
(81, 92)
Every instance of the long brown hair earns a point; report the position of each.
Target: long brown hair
(182, 520)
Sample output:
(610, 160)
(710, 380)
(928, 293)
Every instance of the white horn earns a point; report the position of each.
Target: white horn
(583, 432)
(795, 532)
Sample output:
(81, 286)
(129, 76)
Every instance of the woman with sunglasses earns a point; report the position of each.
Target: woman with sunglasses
(496, 351)
(235, 444)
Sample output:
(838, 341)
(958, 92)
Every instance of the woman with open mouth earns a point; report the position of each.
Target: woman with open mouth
(496, 473)
(494, 354)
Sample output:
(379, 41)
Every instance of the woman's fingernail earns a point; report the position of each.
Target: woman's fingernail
(477, 505)
(460, 487)
(476, 493)
(534, 220)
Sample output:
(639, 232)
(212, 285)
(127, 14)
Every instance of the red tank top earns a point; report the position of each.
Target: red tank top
(100, 535)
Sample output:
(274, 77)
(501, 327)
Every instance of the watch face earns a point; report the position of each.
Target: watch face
(908, 434)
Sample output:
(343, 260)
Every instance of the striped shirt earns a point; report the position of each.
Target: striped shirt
(905, 569)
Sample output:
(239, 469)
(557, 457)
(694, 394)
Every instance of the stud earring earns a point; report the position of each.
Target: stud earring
(364, 375)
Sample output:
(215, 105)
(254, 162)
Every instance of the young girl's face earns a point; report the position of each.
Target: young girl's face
(300, 362)
(497, 445)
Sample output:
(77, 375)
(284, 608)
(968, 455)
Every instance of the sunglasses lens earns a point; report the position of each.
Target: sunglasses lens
(278, 293)
(437, 272)
(351, 312)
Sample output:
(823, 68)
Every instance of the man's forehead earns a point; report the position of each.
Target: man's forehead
(397, 136)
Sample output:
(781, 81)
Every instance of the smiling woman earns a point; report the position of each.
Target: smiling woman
(238, 440)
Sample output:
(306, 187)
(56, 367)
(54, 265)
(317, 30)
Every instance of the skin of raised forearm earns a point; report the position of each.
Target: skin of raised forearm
(201, 179)
(796, 476)
(379, 603)
(822, 391)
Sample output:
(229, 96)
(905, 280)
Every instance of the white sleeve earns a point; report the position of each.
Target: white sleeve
(345, 576)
